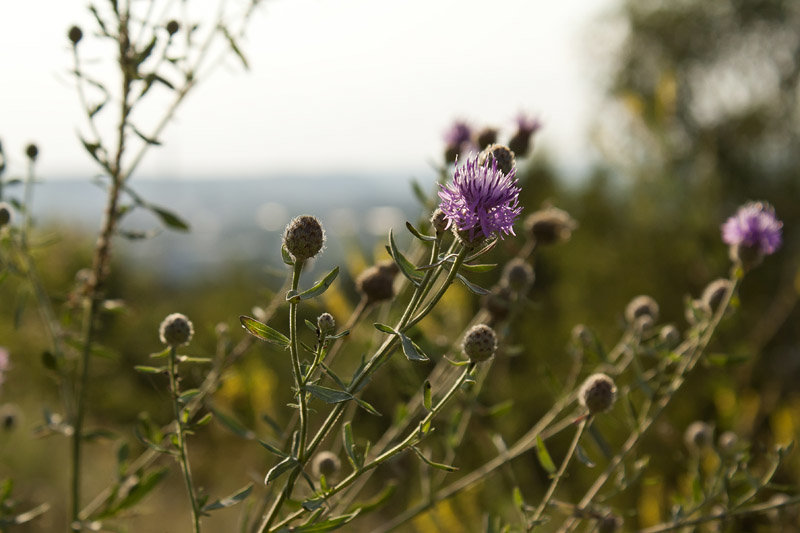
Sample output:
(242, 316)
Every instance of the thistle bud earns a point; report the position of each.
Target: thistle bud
(499, 153)
(669, 336)
(325, 464)
(176, 330)
(325, 324)
(376, 283)
(5, 214)
(173, 27)
(550, 225)
(698, 436)
(610, 523)
(714, 293)
(518, 275)
(639, 307)
(521, 140)
(75, 35)
(598, 393)
(32, 151)
(439, 221)
(485, 137)
(304, 237)
(9, 416)
(498, 303)
(480, 343)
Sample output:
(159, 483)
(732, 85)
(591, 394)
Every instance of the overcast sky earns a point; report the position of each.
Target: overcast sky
(334, 85)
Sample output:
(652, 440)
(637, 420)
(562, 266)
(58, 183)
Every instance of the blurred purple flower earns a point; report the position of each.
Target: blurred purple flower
(526, 124)
(481, 199)
(458, 134)
(5, 364)
(754, 225)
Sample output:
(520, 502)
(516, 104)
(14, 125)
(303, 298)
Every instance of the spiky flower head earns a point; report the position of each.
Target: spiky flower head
(326, 464)
(598, 393)
(456, 138)
(752, 233)
(176, 330)
(521, 140)
(5, 214)
(481, 199)
(480, 343)
(304, 237)
(499, 152)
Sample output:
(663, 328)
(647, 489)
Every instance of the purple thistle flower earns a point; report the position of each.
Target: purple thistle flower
(754, 225)
(528, 124)
(458, 134)
(481, 199)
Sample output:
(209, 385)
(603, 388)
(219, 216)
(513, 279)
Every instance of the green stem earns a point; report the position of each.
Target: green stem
(298, 374)
(183, 457)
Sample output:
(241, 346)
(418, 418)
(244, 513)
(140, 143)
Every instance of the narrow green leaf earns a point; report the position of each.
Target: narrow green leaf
(231, 500)
(272, 449)
(146, 484)
(419, 235)
(384, 328)
(479, 268)
(350, 447)
(328, 395)
(320, 287)
(582, 457)
(492, 243)
(27, 516)
(150, 369)
(367, 407)
(544, 456)
(145, 138)
(328, 525)
(187, 395)
(377, 501)
(232, 424)
(280, 468)
(472, 287)
(601, 442)
(234, 46)
(420, 195)
(440, 466)
(204, 420)
(411, 350)
(426, 395)
(264, 332)
(196, 360)
(160, 355)
(315, 503)
(405, 266)
(286, 256)
(168, 218)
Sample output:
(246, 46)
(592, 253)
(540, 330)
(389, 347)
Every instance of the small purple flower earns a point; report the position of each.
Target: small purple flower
(481, 199)
(754, 225)
(458, 134)
(5, 364)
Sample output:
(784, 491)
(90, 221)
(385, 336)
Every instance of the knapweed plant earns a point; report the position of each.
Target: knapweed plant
(334, 457)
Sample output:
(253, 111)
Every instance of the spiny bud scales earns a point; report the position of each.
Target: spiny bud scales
(75, 35)
(439, 221)
(304, 237)
(325, 323)
(550, 225)
(714, 293)
(641, 306)
(480, 343)
(598, 393)
(500, 153)
(176, 330)
(518, 275)
(5, 214)
(698, 436)
(376, 283)
(325, 464)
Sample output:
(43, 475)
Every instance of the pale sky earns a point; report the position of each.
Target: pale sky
(334, 85)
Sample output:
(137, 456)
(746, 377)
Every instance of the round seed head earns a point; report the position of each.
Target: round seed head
(325, 464)
(304, 237)
(498, 303)
(518, 275)
(173, 27)
(669, 335)
(5, 214)
(639, 307)
(439, 221)
(75, 35)
(480, 343)
(597, 393)
(32, 151)
(176, 330)
(325, 323)
(500, 153)
(376, 283)
(714, 293)
(698, 436)
(550, 225)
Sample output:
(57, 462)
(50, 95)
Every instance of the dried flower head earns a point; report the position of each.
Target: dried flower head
(698, 436)
(304, 237)
(75, 35)
(550, 225)
(641, 306)
(376, 283)
(752, 233)
(32, 151)
(598, 393)
(325, 324)
(521, 140)
(481, 200)
(500, 153)
(480, 343)
(714, 293)
(326, 464)
(176, 330)
(518, 275)
(6, 214)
